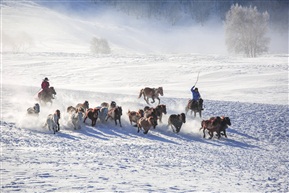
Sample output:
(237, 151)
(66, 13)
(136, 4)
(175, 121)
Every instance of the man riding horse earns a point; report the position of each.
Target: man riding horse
(45, 86)
(197, 101)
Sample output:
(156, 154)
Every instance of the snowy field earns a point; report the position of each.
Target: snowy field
(109, 158)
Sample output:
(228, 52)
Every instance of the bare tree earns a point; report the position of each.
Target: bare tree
(99, 46)
(245, 29)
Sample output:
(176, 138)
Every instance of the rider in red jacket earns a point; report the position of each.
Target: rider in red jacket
(45, 85)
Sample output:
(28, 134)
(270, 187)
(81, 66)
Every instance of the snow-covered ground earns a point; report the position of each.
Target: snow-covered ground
(109, 158)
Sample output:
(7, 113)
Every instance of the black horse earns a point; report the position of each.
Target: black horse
(196, 106)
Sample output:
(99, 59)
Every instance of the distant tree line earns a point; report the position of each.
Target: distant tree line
(199, 11)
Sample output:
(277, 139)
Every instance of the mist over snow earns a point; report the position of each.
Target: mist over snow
(44, 26)
(72, 24)
(53, 38)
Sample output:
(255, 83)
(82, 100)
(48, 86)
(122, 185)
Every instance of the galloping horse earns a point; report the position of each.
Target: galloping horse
(176, 121)
(195, 106)
(152, 93)
(46, 96)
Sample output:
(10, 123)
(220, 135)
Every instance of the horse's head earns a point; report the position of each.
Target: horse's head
(160, 91)
(227, 120)
(112, 104)
(119, 109)
(146, 108)
(141, 112)
(183, 117)
(52, 90)
(86, 104)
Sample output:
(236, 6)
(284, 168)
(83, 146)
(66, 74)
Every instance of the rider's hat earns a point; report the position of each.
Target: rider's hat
(196, 89)
(46, 79)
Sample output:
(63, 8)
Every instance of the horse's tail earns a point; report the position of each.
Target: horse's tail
(140, 93)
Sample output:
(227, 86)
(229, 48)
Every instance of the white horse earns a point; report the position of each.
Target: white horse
(52, 121)
(76, 119)
(103, 114)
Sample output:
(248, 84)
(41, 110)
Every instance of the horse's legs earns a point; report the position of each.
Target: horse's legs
(146, 99)
(153, 99)
(160, 119)
(204, 136)
(195, 113)
(173, 128)
(186, 110)
(211, 134)
(178, 129)
(218, 131)
(118, 121)
(200, 113)
(138, 127)
(225, 133)
(159, 100)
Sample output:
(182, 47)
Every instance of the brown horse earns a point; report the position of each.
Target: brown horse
(134, 116)
(71, 110)
(176, 121)
(92, 114)
(216, 124)
(160, 110)
(145, 124)
(82, 106)
(151, 112)
(115, 114)
(195, 106)
(212, 125)
(47, 95)
(152, 93)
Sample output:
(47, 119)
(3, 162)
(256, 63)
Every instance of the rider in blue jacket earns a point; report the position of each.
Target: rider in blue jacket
(196, 96)
(195, 93)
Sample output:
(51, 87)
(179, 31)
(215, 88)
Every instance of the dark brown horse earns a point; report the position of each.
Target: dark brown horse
(92, 114)
(152, 93)
(176, 121)
(47, 95)
(160, 110)
(216, 124)
(195, 106)
(115, 114)
(225, 121)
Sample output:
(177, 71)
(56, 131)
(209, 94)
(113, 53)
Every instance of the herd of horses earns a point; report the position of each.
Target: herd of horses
(144, 119)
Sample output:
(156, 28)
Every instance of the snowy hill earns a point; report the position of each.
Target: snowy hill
(109, 158)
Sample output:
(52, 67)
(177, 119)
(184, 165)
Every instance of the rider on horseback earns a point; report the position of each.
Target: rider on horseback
(197, 100)
(45, 85)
